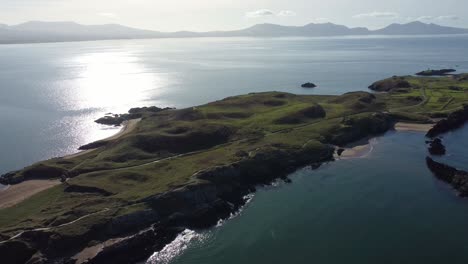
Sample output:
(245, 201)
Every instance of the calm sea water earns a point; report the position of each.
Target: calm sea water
(51, 93)
(385, 208)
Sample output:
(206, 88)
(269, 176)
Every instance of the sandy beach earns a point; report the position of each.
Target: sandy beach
(405, 127)
(359, 150)
(127, 127)
(14, 194)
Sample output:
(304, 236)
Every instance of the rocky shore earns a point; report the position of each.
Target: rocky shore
(454, 120)
(189, 168)
(219, 192)
(457, 178)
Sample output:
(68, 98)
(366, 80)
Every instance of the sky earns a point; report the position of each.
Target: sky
(205, 15)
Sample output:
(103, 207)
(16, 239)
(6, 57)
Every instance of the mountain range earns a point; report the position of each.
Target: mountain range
(37, 31)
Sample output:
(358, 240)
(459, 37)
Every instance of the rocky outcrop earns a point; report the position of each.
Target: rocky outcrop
(457, 178)
(390, 84)
(308, 85)
(356, 128)
(35, 172)
(441, 72)
(114, 120)
(221, 192)
(134, 113)
(436, 147)
(454, 120)
(15, 252)
(133, 249)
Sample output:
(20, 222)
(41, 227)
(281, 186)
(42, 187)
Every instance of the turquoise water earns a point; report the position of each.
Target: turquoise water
(51, 93)
(383, 208)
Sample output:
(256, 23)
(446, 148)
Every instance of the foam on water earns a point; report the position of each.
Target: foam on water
(175, 248)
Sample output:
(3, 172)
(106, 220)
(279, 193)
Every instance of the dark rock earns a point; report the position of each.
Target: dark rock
(390, 84)
(111, 120)
(454, 120)
(137, 247)
(308, 85)
(441, 72)
(134, 113)
(356, 128)
(457, 178)
(15, 252)
(340, 151)
(436, 147)
(94, 145)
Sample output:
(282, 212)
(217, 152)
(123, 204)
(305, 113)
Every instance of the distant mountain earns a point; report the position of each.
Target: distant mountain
(37, 31)
(419, 28)
(272, 30)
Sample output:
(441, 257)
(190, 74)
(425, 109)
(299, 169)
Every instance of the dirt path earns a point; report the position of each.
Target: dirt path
(14, 194)
(50, 228)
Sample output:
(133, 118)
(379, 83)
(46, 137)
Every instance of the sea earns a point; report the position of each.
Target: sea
(384, 207)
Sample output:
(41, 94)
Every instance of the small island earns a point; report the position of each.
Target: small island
(128, 196)
(308, 85)
(441, 72)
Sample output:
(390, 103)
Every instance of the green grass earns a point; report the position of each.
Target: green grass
(167, 148)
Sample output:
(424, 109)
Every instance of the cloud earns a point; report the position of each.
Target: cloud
(270, 13)
(260, 13)
(449, 17)
(286, 13)
(387, 15)
(108, 15)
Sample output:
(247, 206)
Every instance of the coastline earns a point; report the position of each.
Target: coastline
(363, 148)
(127, 127)
(11, 195)
(149, 220)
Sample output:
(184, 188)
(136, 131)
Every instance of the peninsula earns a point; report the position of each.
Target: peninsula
(128, 196)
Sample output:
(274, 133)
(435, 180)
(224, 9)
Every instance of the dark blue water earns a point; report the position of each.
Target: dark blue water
(51, 93)
(384, 208)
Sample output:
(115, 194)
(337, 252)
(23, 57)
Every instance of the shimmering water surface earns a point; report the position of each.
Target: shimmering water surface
(385, 208)
(51, 93)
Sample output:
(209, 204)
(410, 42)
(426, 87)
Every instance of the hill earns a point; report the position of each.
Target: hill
(37, 31)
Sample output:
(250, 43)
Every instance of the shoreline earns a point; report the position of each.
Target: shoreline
(127, 127)
(363, 148)
(10, 195)
(412, 127)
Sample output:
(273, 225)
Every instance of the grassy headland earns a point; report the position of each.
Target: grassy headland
(244, 138)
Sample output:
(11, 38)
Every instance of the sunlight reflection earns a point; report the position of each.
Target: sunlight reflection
(113, 80)
(102, 82)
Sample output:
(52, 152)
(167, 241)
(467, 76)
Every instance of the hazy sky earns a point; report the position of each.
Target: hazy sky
(200, 15)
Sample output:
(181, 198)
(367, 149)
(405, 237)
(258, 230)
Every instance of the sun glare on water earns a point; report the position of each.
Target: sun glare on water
(112, 80)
